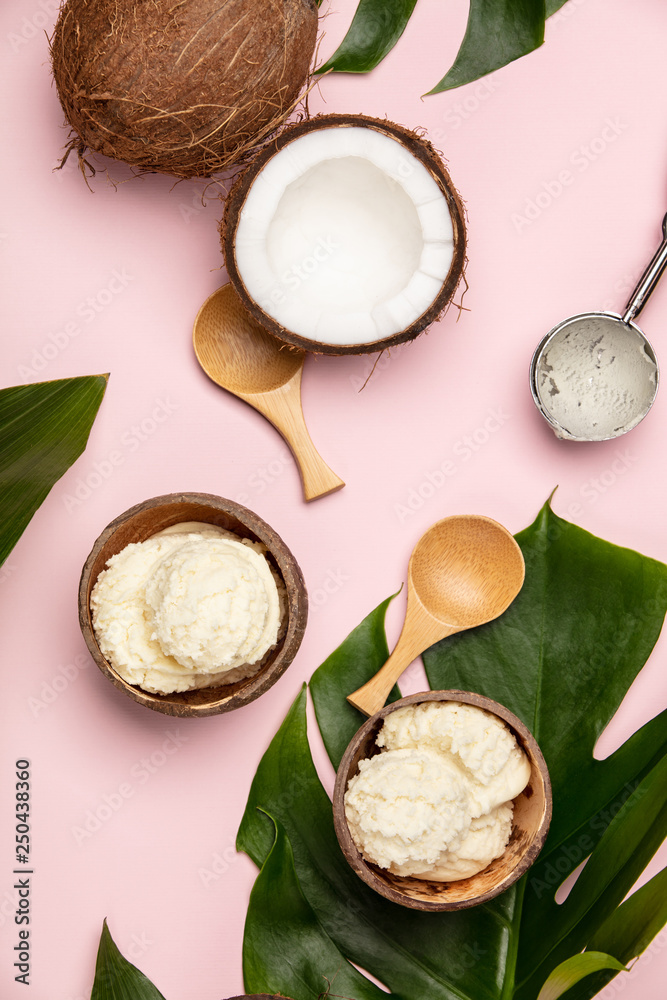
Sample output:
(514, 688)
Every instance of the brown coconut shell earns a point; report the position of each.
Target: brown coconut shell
(146, 519)
(182, 87)
(415, 144)
(530, 823)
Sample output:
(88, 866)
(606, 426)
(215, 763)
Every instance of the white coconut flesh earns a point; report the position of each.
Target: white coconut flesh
(345, 237)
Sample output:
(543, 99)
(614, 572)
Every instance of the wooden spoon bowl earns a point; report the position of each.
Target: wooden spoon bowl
(240, 356)
(530, 824)
(151, 516)
(464, 571)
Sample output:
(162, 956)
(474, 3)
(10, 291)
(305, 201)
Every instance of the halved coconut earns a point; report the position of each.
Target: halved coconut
(345, 235)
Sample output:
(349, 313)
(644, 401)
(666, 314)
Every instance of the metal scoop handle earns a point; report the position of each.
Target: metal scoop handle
(648, 280)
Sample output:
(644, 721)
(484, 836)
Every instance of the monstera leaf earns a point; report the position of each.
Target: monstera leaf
(498, 32)
(561, 658)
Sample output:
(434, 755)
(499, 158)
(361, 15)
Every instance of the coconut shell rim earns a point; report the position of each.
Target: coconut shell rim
(203, 702)
(374, 876)
(425, 152)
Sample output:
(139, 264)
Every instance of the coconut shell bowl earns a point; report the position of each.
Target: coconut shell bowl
(146, 519)
(530, 824)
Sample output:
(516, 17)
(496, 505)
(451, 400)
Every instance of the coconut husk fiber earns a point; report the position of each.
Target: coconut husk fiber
(182, 87)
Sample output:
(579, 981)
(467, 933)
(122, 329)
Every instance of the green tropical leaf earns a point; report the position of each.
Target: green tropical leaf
(573, 969)
(632, 838)
(354, 662)
(44, 427)
(497, 33)
(287, 770)
(434, 955)
(118, 979)
(627, 932)
(376, 27)
(283, 925)
(631, 928)
(562, 658)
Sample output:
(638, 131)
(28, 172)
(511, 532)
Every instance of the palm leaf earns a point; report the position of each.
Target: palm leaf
(497, 33)
(44, 427)
(118, 979)
(376, 27)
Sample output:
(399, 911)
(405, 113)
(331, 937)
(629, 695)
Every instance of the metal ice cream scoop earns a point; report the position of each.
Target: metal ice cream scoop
(595, 375)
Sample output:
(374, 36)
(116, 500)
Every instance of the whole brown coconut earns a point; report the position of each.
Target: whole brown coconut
(182, 87)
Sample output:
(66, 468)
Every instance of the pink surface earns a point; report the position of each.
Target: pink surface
(111, 281)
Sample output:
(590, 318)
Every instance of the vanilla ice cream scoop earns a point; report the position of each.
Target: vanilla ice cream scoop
(498, 770)
(435, 803)
(486, 840)
(404, 807)
(214, 604)
(187, 609)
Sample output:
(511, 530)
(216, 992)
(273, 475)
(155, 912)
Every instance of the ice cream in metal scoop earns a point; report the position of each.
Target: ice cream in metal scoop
(595, 375)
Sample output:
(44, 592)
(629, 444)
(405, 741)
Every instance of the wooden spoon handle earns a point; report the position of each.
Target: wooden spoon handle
(317, 478)
(413, 640)
(283, 408)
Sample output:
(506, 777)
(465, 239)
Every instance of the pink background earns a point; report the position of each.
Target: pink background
(163, 869)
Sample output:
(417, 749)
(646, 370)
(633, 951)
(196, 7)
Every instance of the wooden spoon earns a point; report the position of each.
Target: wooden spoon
(464, 571)
(239, 355)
